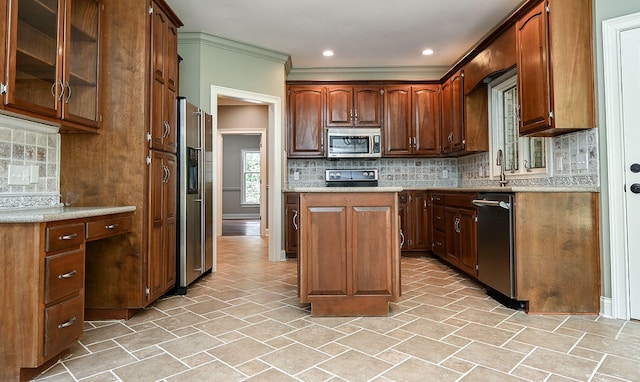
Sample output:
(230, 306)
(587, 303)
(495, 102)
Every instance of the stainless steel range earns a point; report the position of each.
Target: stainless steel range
(351, 178)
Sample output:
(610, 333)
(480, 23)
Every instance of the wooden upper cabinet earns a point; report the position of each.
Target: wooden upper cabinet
(453, 139)
(305, 122)
(398, 130)
(555, 68)
(426, 119)
(4, 16)
(53, 62)
(412, 120)
(164, 79)
(354, 106)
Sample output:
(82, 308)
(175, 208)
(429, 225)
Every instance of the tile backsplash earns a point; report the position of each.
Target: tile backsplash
(468, 171)
(27, 143)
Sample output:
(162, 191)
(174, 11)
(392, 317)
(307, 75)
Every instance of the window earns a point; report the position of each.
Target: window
(522, 156)
(250, 177)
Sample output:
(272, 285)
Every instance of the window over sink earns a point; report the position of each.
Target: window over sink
(522, 156)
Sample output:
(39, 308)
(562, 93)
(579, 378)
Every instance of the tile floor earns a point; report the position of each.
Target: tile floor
(244, 323)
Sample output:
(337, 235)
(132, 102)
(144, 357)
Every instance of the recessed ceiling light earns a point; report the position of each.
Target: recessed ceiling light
(427, 52)
(327, 53)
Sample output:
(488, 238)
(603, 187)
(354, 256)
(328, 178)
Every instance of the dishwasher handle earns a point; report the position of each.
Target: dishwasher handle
(491, 203)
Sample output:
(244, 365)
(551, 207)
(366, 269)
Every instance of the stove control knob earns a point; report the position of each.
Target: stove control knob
(338, 174)
(332, 175)
(365, 174)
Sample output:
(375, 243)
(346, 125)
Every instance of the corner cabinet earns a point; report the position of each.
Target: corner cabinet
(554, 51)
(414, 208)
(305, 121)
(412, 121)
(453, 138)
(53, 62)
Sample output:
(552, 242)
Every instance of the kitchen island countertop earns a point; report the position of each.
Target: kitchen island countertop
(47, 214)
(446, 189)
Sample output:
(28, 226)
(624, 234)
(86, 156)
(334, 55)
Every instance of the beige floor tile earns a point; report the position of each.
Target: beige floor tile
(103, 333)
(621, 368)
(221, 325)
(426, 349)
(432, 312)
(354, 366)
(457, 364)
(103, 377)
(314, 375)
(315, 336)
(378, 324)
(96, 363)
(279, 342)
(180, 321)
(548, 323)
(208, 306)
(490, 356)
(530, 374)
(139, 340)
(482, 374)
(623, 349)
(593, 327)
(148, 352)
(295, 359)
(189, 345)
(151, 369)
(271, 375)
(486, 334)
(368, 342)
(209, 372)
(418, 370)
(546, 339)
(481, 316)
(240, 351)
(198, 359)
(428, 328)
(253, 367)
(561, 364)
(266, 330)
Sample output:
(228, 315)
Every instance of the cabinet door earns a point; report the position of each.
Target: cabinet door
(4, 16)
(468, 242)
(158, 129)
(457, 112)
(171, 88)
(170, 203)
(426, 120)
(452, 235)
(533, 70)
(398, 133)
(305, 122)
(405, 219)
(446, 126)
(82, 56)
(35, 62)
(368, 106)
(156, 225)
(421, 220)
(292, 219)
(340, 110)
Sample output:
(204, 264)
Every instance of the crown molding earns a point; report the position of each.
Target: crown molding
(399, 73)
(201, 38)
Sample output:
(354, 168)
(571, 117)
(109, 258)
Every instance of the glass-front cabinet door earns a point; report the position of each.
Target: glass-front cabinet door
(34, 82)
(81, 61)
(54, 59)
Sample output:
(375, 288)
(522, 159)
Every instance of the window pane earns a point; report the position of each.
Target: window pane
(509, 101)
(252, 161)
(537, 153)
(252, 188)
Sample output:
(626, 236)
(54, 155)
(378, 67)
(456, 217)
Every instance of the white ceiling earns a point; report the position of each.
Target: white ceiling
(363, 33)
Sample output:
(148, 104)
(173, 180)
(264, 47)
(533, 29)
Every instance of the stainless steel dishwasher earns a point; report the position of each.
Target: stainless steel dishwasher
(496, 242)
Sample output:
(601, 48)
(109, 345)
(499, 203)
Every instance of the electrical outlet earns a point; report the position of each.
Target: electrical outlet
(18, 175)
(582, 161)
(445, 174)
(296, 175)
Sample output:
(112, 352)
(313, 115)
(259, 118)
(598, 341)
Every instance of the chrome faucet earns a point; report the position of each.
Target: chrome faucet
(500, 162)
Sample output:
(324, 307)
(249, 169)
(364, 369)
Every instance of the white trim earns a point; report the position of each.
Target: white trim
(606, 307)
(618, 246)
(274, 144)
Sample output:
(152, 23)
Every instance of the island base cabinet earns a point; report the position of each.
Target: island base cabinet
(349, 253)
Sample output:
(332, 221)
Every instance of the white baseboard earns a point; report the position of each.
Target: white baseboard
(240, 216)
(606, 307)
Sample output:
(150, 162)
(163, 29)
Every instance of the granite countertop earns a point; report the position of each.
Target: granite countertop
(39, 215)
(447, 189)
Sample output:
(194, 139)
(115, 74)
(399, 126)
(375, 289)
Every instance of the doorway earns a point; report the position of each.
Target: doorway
(621, 41)
(274, 138)
(242, 158)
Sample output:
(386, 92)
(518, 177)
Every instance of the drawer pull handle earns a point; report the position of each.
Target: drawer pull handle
(112, 226)
(68, 237)
(67, 275)
(68, 323)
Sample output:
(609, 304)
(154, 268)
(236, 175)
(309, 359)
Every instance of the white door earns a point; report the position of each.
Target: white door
(630, 85)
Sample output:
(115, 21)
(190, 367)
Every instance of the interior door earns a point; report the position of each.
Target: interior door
(630, 81)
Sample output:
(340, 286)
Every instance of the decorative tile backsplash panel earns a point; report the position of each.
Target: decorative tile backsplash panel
(468, 171)
(26, 143)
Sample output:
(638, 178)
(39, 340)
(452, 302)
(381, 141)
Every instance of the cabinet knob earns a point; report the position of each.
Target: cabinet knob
(635, 188)
(635, 168)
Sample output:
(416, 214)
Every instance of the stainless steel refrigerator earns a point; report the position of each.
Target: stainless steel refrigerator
(195, 194)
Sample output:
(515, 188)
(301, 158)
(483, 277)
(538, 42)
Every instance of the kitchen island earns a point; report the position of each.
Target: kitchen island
(349, 260)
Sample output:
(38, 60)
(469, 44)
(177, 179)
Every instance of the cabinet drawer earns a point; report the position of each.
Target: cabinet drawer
(108, 227)
(64, 275)
(460, 200)
(63, 325)
(64, 236)
(292, 198)
(438, 217)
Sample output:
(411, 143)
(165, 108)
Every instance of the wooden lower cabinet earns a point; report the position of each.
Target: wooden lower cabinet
(291, 223)
(42, 268)
(414, 208)
(349, 253)
(455, 232)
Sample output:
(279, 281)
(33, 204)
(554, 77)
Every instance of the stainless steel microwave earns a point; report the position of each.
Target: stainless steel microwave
(354, 143)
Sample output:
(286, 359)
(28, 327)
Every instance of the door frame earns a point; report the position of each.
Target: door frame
(275, 138)
(263, 170)
(618, 245)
